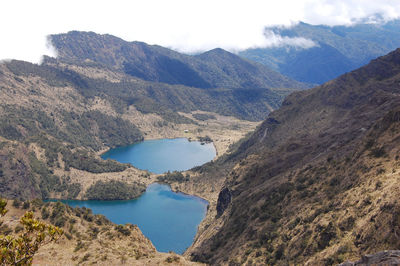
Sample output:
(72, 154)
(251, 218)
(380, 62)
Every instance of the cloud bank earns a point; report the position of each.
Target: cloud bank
(275, 40)
(184, 25)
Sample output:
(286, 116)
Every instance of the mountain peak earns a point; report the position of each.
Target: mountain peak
(217, 51)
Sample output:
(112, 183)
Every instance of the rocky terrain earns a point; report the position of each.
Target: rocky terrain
(317, 180)
(312, 184)
(387, 257)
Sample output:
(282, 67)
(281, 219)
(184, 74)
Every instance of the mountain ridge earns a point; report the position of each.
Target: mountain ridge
(317, 179)
(60, 114)
(156, 63)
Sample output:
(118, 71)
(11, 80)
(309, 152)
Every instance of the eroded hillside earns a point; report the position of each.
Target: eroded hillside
(317, 182)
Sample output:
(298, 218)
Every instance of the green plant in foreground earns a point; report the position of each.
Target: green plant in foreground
(20, 249)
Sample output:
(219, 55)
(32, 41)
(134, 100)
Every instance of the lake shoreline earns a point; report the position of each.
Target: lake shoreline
(160, 156)
(223, 130)
(101, 152)
(177, 191)
(169, 219)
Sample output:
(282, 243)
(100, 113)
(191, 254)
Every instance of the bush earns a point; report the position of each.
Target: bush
(20, 249)
(73, 190)
(85, 161)
(174, 176)
(45, 213)
(123, 230)
(57, 216)
(16, 203)
(26, 205)
(173, 258)
(205, 139)
(378, 152)
(203, 117)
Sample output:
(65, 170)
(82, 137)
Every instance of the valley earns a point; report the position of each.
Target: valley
(301, 175)
(317, 180)
(59, 118)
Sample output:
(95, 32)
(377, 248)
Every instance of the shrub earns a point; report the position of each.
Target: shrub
(174, 176)
(16, 203)
(26, 205)
(73, 190)
(203, 117)
(378, 152)
(19, 250)
(45, 213)
(123, 229)
(205, 139)
(85, 258)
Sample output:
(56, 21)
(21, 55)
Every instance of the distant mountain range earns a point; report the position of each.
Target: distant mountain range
(214, 69)
(338, 49)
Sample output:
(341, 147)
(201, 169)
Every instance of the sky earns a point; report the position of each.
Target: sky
(184, 25)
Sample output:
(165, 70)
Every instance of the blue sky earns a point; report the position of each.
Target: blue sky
(184, 25)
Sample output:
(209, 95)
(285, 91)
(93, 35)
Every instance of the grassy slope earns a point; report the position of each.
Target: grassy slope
(319, 178)
(68, 111)
(88, 238)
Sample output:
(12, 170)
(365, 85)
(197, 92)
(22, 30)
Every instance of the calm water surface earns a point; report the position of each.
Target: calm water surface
(162, 155)
(168, 219)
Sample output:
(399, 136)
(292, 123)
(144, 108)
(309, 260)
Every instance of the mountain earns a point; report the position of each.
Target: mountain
(55, 117)
(317, 182)
(213, 69)
(337, 49)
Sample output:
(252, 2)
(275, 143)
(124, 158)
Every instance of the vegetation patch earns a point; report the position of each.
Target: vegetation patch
(114, 190)
(174, 176)
(204, 117)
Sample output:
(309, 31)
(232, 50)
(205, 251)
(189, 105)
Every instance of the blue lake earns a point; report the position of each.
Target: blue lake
(168, 219)
(162, 155)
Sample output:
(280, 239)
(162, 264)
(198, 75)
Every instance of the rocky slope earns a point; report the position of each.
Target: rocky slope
(317, 180)
(387, 257)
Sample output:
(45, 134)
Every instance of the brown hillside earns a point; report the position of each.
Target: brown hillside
(317, 182)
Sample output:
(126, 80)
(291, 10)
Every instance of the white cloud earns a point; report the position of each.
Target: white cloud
(275, 40)
(184, 25)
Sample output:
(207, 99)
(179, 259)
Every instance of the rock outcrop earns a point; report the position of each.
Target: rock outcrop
(224, 198)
